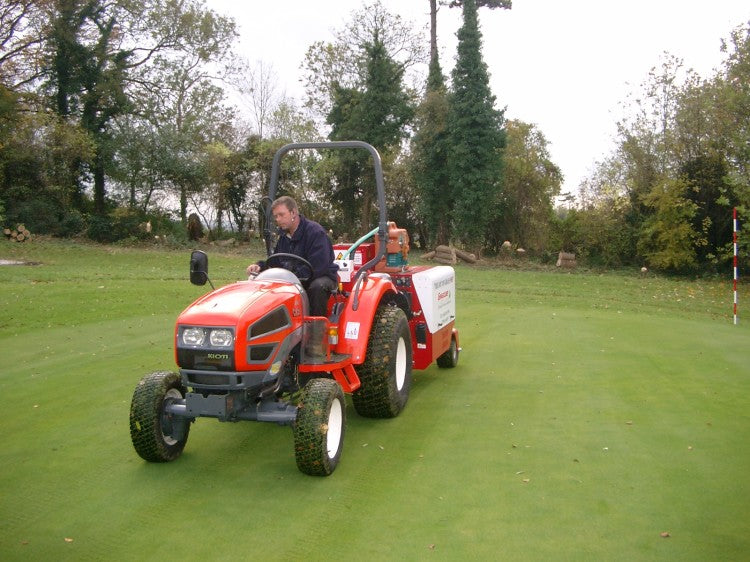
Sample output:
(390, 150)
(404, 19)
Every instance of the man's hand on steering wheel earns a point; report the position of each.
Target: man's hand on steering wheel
(294, 263)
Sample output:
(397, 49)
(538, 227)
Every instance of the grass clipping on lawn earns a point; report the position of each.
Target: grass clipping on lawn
(590, 417)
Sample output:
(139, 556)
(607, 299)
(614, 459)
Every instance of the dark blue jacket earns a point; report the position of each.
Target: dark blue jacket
(309, 241)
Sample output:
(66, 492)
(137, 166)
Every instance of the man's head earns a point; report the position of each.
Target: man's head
(286, 213)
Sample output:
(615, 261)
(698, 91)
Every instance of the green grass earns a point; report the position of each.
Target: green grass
(588, 415)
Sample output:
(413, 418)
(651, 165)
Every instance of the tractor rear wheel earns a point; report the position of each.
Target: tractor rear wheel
(156, 435)
(449, 359)
(319, 427)
(386, 372)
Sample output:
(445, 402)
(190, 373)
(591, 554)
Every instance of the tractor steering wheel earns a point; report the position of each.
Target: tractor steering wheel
(294, 263)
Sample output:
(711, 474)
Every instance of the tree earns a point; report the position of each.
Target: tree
(505, 4)
(378, 114)
(667, 239)
(531, 182)
(430, 147)
(180, 104)
(603, 233)
(357, 84)
(36, 168)
(733, 124)
(476, 136)
(101, 53)
(187, 113)
(258, 86)
(343, 62)
(20, 42)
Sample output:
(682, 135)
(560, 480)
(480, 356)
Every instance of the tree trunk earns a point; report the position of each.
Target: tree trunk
(433, 30)
(99, 204)
(183, 205)
(365, 216)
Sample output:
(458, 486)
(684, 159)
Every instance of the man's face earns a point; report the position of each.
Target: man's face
(284, 217)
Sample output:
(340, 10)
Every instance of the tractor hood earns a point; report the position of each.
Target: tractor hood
(240, 303)
(244, 327)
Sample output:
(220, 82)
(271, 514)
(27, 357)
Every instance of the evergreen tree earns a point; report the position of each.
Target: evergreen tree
(430, 151)
(377, 115)
(476, 136)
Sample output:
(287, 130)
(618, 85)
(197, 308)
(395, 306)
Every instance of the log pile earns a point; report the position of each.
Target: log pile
(18, 234)
(448, 255)
(567, 260)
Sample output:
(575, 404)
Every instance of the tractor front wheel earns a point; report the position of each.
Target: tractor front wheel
(386, 371)
(158, 436)
(319, 427)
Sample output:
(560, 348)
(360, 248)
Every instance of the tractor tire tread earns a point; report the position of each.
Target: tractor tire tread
(378, 397)
(145, 417)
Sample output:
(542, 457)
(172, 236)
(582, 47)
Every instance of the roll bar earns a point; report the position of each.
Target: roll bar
(379, 184)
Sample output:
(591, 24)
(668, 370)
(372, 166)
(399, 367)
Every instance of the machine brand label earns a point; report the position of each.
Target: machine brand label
(217, 356)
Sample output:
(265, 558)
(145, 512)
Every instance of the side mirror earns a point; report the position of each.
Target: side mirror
(198, 267)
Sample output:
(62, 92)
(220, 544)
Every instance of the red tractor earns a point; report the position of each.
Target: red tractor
(250, 351)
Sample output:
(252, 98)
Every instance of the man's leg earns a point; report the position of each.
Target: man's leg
(317, 293)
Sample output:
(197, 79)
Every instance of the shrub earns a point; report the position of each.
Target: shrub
(72, 224)
(100, 229)
(40, 216)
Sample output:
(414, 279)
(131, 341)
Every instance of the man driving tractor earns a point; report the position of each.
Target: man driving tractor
(307, 239)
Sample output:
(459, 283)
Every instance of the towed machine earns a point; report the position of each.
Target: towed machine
(250, 350)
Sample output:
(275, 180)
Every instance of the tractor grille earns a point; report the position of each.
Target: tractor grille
(222, 381)
(208, 360)
(209, 379)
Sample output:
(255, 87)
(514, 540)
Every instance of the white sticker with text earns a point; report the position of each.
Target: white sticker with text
(352, 330)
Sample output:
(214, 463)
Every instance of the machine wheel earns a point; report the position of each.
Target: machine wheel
(319, 427)
(386, 372)
(449, 359)
(157, 436)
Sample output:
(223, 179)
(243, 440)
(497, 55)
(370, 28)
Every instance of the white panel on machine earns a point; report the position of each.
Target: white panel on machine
(346, 267)
(436, 291)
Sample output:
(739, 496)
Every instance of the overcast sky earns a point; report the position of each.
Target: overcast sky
(565, 66)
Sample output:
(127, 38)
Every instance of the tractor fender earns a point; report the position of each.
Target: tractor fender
(355, 324)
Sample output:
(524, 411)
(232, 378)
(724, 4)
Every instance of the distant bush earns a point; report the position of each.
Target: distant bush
(72, 224)
(100, 229)
(38, 215)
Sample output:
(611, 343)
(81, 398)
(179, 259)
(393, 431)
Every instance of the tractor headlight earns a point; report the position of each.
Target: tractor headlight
(193, 336)
(221, 338)
(205, 336)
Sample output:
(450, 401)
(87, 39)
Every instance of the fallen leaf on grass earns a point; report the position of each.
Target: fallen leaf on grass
(665, 535)
(431, 547)
(67, 539)
(526, 480)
